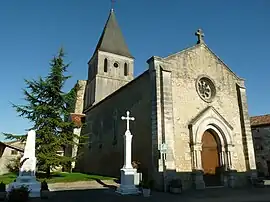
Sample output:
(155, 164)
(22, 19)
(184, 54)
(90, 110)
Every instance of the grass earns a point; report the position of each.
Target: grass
(57, 177)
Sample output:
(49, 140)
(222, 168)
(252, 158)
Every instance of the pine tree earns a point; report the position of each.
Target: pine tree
(48, 108)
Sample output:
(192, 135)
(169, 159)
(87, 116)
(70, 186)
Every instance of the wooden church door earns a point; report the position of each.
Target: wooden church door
(210, 159)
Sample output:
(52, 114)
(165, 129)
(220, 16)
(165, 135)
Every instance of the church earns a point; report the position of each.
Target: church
(190, 109)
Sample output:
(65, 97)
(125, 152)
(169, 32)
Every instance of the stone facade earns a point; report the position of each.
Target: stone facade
(175, 102)
(8, 152)
(182, 116)
(260, 126)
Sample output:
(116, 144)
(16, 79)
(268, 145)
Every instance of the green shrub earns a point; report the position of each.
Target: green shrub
(20, 194)
(14, 165)
(2, 187)
(44, 185)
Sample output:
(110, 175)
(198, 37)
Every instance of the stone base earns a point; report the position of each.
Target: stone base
(127, 186)
(198, 179)
(29, 181)
(231, 178)
(253, 175)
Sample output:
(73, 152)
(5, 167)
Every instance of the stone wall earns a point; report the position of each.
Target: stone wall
(104, 153)
(162, 123)
(79, 105)
(103, 83)
(7, 154)
(261, 139)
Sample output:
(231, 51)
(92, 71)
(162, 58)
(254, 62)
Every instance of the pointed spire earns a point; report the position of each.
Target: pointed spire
(111, 39)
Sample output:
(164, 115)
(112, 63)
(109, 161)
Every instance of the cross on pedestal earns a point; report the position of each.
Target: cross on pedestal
(127, 142)
(128, 173)
(128, 118)
(200, 36)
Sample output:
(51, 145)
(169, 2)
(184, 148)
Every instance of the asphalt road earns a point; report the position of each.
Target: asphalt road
(109, 195)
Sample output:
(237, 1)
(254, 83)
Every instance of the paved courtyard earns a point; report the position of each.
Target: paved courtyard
(105, 191)
(102, 195)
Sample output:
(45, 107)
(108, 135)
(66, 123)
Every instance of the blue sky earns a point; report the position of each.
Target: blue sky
(32, 32)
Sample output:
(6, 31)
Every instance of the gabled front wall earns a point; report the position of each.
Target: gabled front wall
(178, 74)
(186, 68)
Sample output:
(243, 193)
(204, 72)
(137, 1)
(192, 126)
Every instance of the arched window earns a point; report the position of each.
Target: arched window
(105, 65)
(125, 69)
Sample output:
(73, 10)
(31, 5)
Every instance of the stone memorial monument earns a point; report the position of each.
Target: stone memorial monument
(27, 172)
(128, 173)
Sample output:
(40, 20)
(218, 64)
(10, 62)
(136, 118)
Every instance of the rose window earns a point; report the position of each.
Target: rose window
(206, 89)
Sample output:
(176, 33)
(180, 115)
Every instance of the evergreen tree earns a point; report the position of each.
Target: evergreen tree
(48, 108)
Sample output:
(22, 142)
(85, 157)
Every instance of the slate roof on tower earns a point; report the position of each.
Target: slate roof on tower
(111, 39)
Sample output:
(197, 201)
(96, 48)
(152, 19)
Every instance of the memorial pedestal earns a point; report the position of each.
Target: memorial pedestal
(28, 168)
(127, 185)
(28, 181)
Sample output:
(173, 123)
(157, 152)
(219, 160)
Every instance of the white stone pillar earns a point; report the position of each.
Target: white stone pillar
(197, 166)
(197, 157)
(127, 150)
(222, 155)
(229, 151)
(28, 168)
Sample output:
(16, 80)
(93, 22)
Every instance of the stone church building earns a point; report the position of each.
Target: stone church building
(260, 127)
(190, 101)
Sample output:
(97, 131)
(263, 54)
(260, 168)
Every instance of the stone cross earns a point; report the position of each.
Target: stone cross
(127, 142)
(200, 36)
(128, 118)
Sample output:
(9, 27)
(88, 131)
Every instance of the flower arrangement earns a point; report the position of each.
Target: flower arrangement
(136, 165)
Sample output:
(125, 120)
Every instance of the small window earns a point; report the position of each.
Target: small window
(125, 69)
(105, 65)
(115, 65)
(14, 152)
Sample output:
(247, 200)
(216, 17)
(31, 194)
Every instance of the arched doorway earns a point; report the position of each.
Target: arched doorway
(210, 158)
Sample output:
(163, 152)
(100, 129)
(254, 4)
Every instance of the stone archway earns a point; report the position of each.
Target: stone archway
(210, 157)
(210, 120)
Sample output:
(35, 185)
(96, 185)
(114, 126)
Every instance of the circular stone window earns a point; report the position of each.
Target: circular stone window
(115, 64)
(205, 88)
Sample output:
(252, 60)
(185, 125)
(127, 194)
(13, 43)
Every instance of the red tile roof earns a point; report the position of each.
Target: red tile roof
(260, 120)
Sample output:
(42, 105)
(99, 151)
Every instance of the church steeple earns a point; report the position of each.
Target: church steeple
(111, 65)
(111, 39)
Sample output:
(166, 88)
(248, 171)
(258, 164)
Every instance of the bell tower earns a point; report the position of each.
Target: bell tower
(111, 65)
